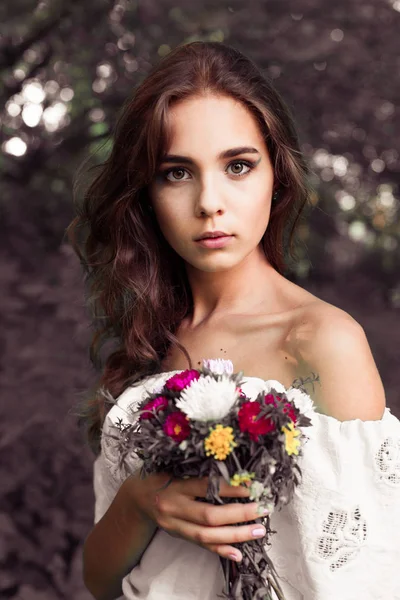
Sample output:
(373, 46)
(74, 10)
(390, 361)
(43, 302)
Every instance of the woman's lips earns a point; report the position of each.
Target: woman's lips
(217, 242)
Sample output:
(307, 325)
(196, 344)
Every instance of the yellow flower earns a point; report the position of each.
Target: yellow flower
(238, 478)
(291, 444)
(220, 442)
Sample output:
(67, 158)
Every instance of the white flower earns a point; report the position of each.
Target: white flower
(302, 401)
(256, 490)
(207, 399)
(218, 365)
(252, 387)
(299, 398)
(274, 384)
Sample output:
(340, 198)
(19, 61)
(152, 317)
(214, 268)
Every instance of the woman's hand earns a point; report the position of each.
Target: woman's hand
(174, 509)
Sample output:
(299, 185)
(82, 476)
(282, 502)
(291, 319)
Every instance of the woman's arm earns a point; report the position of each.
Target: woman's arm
(115, 545)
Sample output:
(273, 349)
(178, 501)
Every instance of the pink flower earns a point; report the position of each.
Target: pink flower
(182, 380)
(176, 426)
(247, 416)
(270, 399)
(159, 403)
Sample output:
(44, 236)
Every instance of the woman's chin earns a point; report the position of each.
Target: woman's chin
(215, 264)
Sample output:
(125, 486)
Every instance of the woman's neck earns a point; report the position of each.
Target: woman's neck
(241, 289)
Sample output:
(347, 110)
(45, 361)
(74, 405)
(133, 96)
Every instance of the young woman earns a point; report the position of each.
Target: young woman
(185, 234)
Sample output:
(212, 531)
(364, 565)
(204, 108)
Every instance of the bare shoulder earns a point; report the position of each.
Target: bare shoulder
(334, 345)
(317, 317)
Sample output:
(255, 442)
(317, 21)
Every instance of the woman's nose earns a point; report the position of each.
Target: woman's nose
(209, 199)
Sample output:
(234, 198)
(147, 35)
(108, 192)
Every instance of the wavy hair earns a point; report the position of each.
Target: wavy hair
(136, 284)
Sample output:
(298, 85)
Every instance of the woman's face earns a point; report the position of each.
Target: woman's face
(215, 176)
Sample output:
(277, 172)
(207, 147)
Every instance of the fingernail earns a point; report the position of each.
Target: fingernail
(258, 532)
(234, 556)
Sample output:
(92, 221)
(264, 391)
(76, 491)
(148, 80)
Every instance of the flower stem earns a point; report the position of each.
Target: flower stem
(235, 458)
(271, 578)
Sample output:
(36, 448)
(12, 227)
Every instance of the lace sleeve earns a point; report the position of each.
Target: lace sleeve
(339, 538)
(107, 475)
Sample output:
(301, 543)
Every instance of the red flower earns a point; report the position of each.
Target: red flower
(176, 426)
(247, 416)
(159, 403)
(240, 392)
(289, 409)
(181, 380)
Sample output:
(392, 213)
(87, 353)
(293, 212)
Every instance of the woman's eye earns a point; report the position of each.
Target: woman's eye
(179, 172)
(238, 166)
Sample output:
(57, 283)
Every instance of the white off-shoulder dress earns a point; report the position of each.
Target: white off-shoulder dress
(339, 538)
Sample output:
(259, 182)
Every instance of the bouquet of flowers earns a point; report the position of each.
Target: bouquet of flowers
(200, 423)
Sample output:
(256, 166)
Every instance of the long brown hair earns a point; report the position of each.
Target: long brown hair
(137, 286)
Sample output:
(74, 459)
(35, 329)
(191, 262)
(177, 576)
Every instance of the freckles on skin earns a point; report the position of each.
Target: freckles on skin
(207, 193)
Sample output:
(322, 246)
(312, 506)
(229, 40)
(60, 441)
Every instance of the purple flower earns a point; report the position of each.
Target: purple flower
(159, 403)
(182, 380)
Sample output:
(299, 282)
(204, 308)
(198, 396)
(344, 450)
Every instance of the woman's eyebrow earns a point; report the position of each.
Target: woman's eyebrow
(231, 153)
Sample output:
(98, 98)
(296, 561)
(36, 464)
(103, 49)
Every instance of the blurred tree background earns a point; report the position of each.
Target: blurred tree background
(66, 69)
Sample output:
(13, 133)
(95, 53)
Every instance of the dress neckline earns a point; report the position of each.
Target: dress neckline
(386, 414)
